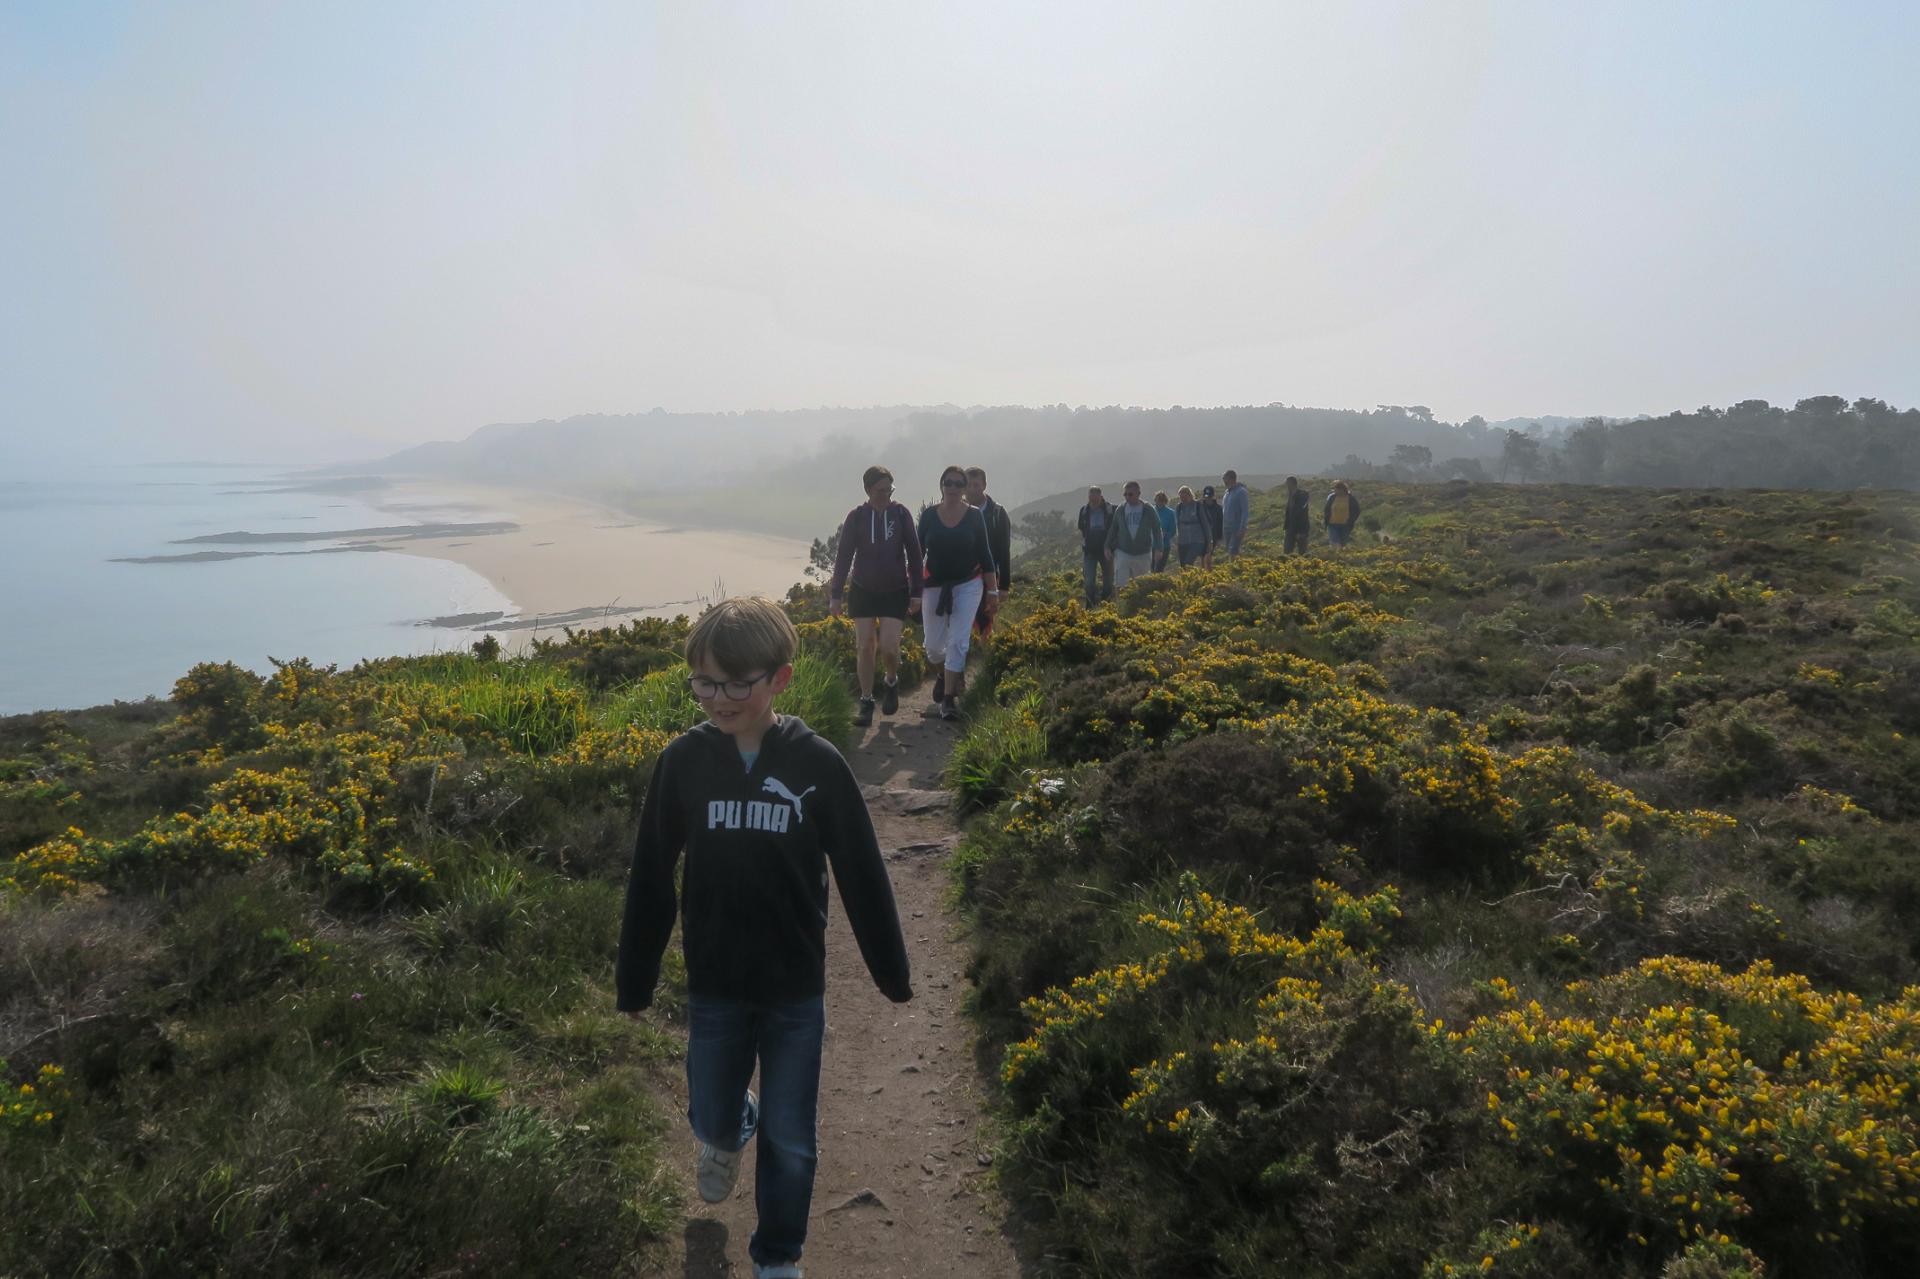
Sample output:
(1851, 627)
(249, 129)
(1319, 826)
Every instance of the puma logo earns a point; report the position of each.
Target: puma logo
(774, 786)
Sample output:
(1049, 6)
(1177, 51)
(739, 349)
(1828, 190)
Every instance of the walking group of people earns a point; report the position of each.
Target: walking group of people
(762, 807)
(960, 548)
(889, 563)
(1120, 543)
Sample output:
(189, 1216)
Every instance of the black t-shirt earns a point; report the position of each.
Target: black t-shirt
(958, 553)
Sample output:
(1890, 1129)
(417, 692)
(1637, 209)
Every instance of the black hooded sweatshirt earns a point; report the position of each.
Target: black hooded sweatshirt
(758, 842)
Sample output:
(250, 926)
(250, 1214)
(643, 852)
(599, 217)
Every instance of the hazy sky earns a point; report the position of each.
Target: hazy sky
(312, 228)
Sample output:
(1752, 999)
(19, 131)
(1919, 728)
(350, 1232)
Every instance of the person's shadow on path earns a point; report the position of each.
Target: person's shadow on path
(706, 1243)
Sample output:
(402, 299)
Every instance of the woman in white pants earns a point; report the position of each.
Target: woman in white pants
(961, 579)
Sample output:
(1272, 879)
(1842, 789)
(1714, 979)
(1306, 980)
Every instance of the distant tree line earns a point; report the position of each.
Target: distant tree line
(1823, 442)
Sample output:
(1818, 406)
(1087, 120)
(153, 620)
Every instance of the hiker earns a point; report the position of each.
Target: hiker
(878, 569)
(762, 807)
(1133, 535)
(1192, 534)
(999, 539)
(1342, 512)
(1297, 521)
(1216, 523)
(1095, 558)
(961, 571)
(1233, 513)
(1167, 527)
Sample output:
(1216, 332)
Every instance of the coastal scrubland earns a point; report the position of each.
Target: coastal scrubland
(311, 973)
(1530, 890)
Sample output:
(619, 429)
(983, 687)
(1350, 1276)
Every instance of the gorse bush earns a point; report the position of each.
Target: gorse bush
(363, 915)
(1276, 942)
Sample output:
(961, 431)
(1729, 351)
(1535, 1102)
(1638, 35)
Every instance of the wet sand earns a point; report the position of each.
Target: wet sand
(569, 562)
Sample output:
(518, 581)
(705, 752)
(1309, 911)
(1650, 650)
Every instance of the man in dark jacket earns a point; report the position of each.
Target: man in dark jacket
(1216, 521)
(1298, 520)
(1094, 556)
(999, 525)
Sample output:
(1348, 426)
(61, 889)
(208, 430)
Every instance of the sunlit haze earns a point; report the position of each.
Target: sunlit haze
(321, 231)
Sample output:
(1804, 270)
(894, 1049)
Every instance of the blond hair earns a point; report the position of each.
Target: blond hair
(1186, 493)
(743, 636)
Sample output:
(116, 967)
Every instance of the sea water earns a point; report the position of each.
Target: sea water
(82, 628)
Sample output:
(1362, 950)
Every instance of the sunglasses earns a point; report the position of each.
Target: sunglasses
(735, 690)
(953, 484)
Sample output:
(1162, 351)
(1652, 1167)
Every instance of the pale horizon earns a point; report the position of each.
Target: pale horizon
(323, 235)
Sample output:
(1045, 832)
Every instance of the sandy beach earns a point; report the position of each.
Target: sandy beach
(570, 562)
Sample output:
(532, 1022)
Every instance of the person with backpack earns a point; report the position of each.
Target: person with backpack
(999, 539)
(1192, 533)
(1095, 558)
(1298, 522)
(1341, 513)
(878, 571)
(1133, 535)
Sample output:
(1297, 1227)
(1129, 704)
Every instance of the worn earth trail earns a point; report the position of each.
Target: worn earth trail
(902, 1189)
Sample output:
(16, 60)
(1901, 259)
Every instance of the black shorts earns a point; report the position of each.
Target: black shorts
(862, 602)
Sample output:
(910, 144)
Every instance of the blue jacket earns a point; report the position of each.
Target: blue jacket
(1234, 508)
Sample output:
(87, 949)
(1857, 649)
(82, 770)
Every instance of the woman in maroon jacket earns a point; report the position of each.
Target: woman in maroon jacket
(876, 576)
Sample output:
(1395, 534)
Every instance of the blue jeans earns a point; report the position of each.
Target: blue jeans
(725, 1037)
(1339, 534)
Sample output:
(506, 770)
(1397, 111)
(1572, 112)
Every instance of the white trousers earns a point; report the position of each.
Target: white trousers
(949, 636)
(1127, 567)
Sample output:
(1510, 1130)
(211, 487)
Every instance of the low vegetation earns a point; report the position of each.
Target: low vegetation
(1530, 890)
(312, 973)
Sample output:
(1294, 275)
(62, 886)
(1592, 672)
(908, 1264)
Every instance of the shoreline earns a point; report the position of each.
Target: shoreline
(568, 561)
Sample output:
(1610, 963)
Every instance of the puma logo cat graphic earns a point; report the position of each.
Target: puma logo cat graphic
(759, 814)
(774, 786)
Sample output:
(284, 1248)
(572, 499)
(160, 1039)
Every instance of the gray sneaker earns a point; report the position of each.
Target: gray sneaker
(716, 1172)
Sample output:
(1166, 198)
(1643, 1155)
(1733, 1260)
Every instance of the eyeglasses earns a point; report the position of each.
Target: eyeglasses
(953, 484)
(736, 690)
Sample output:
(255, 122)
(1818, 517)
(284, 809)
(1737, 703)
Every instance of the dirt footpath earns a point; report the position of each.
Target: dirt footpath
(902, 1187)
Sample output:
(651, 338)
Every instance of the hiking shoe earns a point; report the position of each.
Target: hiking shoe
(890, 697)
(948, 710)
(863, 716)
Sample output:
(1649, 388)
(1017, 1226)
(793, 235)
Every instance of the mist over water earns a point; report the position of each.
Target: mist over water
(82, 629)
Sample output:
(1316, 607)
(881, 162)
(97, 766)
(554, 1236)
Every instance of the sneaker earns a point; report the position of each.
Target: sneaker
(863, 716)
(890, 697)
(939, 684)
(716, 1172)
(948, 710)
(779, 1270)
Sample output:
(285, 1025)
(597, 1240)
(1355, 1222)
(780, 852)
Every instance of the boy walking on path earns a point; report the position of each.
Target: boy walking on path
(1133, 538)
(762, 807)
(1233, 511)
